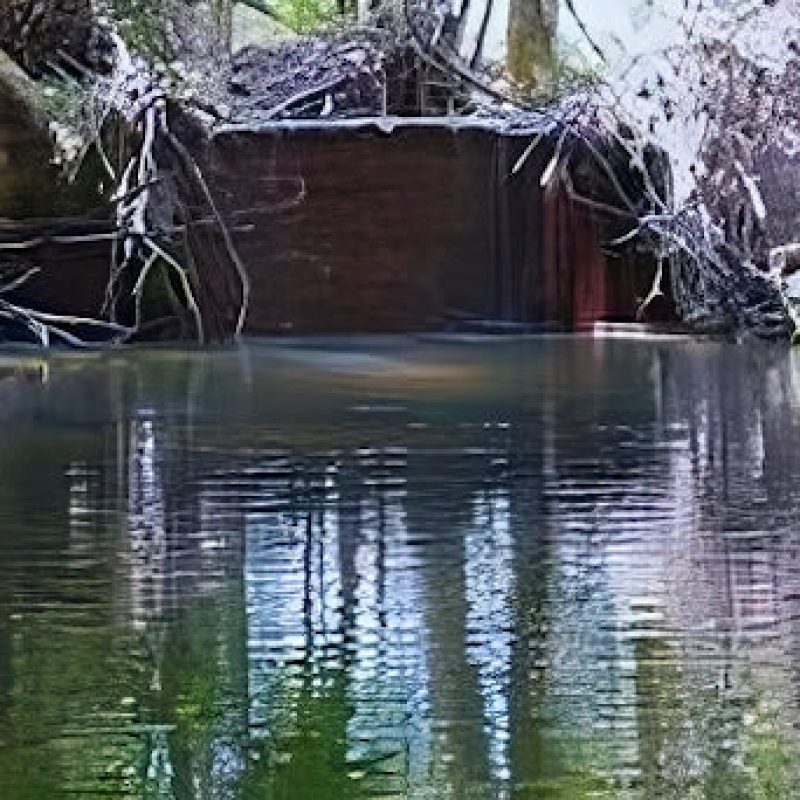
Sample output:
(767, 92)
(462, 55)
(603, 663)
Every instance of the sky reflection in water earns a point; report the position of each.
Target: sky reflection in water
(559, 568)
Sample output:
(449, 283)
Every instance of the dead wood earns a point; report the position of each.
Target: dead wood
(167, 229)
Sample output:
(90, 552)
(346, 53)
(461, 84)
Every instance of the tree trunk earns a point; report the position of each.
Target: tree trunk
(222, 20)
(532, 26)
(20, 92)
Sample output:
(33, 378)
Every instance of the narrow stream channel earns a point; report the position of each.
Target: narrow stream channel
(444, 570)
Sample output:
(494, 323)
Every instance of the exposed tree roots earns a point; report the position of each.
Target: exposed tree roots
(168, 238)
(173, 254)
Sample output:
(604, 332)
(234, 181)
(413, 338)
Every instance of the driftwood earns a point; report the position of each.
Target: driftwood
(712, 282)
(19, 243)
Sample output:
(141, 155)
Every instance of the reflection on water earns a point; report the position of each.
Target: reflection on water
(559, 568)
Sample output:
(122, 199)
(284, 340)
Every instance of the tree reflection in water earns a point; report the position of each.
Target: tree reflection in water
(559, 568)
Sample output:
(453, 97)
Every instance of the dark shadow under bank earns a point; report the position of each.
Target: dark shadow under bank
(394, 225)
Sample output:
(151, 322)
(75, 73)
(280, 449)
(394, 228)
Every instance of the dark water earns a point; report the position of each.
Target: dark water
(560, 568)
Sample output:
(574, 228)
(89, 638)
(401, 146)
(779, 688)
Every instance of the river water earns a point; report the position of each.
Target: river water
(556, 568)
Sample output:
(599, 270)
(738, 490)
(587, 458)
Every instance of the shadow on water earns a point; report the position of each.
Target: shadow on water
(557, 568)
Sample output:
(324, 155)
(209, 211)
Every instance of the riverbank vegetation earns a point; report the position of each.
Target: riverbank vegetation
(696, 143)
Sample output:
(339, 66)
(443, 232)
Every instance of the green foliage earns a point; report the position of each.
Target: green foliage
(143, 25)
(309, 758)
(62, 101)
(771, 759)
(302, 16)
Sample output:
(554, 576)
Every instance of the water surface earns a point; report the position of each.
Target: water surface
(556, 568)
